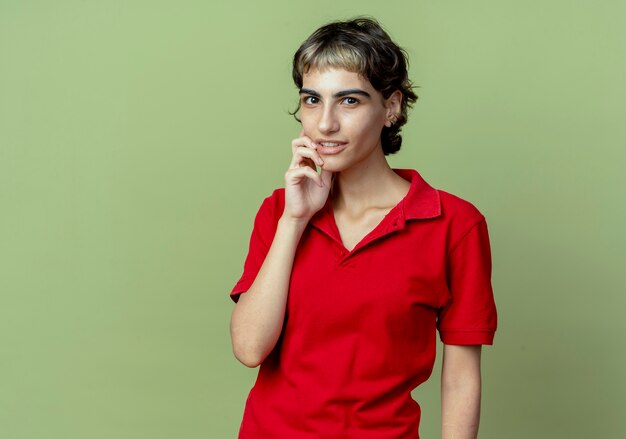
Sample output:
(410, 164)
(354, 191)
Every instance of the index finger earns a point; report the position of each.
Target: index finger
(305, 141)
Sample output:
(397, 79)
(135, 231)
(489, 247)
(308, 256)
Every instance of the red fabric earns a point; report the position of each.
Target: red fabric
(360, 325)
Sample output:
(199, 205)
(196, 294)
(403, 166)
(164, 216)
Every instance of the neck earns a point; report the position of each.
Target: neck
(374, 184)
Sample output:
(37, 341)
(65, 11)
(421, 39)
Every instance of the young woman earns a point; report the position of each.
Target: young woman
(351, 270)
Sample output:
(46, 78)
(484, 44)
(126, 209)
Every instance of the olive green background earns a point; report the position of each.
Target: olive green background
(138, 138)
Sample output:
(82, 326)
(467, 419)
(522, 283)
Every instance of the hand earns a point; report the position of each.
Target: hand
(306, 191)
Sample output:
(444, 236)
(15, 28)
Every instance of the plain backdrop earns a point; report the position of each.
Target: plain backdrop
(138, 138)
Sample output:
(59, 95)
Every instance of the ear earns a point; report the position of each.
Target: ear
(393, 104)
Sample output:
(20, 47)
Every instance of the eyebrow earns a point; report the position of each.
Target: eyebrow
(339, 94)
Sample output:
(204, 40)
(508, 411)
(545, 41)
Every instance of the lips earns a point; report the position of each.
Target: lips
(329, 147)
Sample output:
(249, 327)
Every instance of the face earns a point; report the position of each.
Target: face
(344, 115)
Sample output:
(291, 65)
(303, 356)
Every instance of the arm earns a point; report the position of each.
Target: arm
(460, 392)
(258, 317)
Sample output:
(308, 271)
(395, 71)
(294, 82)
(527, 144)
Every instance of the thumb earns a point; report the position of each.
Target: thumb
(327, 177)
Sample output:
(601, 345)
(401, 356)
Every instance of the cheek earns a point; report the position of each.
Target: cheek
(306, 118)
(372, 126)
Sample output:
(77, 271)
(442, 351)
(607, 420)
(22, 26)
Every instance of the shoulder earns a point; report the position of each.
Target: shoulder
(267, 216)
(276, 199)
(457, 209)
(272, 206)
(460, 216)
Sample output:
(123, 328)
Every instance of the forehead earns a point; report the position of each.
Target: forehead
(333, 79)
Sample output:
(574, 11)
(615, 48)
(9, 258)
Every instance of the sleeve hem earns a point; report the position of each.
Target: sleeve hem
(467, 337)
(241, 287)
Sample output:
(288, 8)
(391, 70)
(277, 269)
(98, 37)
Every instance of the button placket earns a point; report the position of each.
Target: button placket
(342, 256)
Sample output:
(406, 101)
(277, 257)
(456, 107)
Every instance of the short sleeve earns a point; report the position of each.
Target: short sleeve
(263, 232)
(469, 317)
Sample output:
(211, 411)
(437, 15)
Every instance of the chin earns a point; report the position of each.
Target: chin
(334, 167)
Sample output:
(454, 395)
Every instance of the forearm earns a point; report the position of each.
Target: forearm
(258, 316)
(460, 392)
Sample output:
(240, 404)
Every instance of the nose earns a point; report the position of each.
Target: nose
(328, 122)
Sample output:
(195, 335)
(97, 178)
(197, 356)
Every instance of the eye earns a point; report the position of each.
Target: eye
(350, 100)
(310, 100)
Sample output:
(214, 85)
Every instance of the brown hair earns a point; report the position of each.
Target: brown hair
(361, 46)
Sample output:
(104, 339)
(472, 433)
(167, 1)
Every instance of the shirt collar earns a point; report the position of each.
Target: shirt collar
(422, 201)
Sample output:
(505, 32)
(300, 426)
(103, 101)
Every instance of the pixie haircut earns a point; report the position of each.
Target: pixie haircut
(361, 46)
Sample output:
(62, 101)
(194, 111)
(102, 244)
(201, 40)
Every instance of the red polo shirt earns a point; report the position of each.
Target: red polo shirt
(360, 326)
